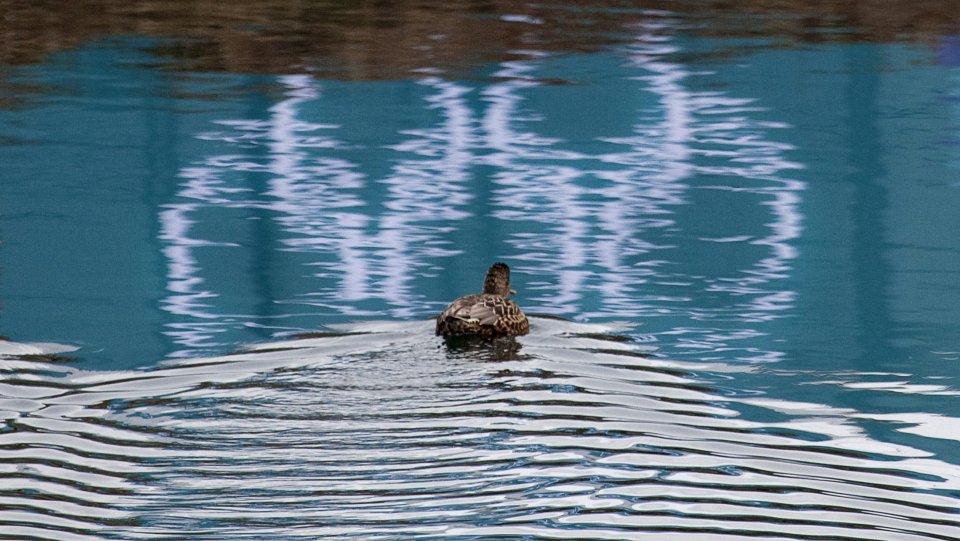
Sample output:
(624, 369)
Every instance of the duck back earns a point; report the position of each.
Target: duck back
(482, 315)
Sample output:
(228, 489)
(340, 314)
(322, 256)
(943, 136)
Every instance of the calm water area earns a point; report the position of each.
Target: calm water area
(225, 230)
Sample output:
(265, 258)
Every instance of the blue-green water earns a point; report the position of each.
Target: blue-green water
(774, 228)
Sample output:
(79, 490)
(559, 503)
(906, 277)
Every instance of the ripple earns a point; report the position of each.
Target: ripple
(380, 431)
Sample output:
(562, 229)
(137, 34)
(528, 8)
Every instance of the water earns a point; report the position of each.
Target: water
(383, 434)
(735, 233)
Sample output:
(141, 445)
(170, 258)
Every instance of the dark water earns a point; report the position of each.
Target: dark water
(746, 220)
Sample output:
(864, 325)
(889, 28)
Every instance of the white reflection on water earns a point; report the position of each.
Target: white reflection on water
(361, 227)
(711, 125)
(382, 432)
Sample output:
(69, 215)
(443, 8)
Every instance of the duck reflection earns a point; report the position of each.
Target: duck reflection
(481, 348)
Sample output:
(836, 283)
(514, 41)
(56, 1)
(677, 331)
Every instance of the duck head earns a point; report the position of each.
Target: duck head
(497, 281)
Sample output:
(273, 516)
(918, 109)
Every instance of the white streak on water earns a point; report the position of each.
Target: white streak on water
(383, 432)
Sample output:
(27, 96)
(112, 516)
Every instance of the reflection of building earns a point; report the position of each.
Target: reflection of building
(341, 239)
(630, 183)
(82, 173)
(878, 257)
(291, 209)
(602, 180)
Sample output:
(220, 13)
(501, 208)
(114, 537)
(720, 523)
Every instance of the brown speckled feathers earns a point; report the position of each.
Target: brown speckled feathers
(488, 314)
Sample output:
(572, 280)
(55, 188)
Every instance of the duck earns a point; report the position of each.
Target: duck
(489, 314)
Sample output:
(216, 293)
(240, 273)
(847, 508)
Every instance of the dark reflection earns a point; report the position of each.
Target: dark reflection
(365, 40)
(504, 348)
(869, 207)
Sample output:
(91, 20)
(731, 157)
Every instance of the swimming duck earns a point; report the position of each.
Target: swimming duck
(488, 314)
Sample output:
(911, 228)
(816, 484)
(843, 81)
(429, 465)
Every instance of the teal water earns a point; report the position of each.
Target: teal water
(801, 199)
(773, 228)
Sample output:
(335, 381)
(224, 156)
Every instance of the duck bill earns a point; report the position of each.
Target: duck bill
(513, 291)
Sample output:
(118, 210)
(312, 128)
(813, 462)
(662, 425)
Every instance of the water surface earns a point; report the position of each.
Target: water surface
(377, 433)
(744, 219)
